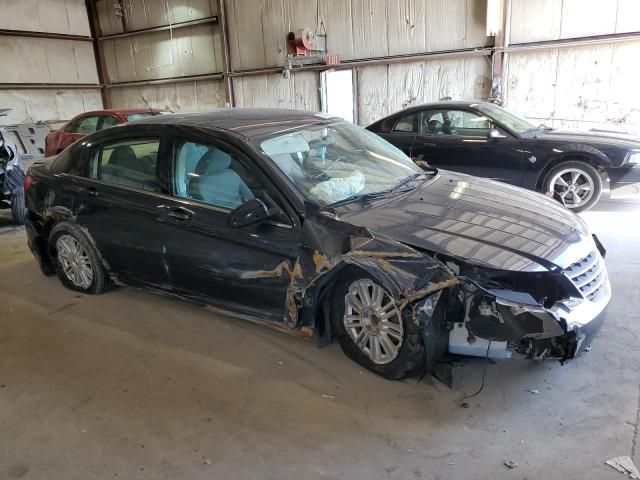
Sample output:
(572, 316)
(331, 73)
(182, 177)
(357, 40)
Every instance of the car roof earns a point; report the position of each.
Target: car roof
(447, 104)
(248, 122)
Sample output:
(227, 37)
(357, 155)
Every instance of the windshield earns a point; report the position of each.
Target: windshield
(509, 120)
(330, 163)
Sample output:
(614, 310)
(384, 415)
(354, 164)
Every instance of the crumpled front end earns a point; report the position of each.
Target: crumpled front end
(557, 320)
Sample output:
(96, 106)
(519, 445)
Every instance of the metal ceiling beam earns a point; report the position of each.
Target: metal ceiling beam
(142, 31)
(48, 35)
(571, 42)
(161, 81)
(48, 86)
(366, 62)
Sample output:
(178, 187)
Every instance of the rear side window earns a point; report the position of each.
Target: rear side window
(408, 124)
(129, 163)
(68, 162)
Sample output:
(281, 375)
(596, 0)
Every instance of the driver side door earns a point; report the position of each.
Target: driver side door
(458, 140)
(246, 269)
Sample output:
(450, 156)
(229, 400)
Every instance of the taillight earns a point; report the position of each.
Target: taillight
(27, 183)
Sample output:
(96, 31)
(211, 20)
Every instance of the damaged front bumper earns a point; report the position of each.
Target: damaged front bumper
(498, 323)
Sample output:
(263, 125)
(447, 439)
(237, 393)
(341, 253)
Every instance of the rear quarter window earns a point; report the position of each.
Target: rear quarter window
(69, 162)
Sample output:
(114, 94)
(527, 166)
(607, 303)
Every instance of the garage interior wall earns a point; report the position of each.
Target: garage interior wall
(41, 76)
(593, 85)
(178, 62)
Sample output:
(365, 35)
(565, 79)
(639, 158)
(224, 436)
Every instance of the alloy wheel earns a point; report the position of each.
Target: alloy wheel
(75, 261)
(372, 320)
(573, 187)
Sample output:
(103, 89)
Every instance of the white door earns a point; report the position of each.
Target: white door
(337, 93)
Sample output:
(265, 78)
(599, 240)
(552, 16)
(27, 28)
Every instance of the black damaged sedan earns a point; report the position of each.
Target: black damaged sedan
(321, 228)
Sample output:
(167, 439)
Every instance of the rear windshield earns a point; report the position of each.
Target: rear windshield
(139, 116)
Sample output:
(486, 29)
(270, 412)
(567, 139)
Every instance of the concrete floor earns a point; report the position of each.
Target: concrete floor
(133, 385)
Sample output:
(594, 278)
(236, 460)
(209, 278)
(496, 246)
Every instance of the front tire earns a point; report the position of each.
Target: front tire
(373, 331)
(76, 261)
(18, 209)
(575, 184)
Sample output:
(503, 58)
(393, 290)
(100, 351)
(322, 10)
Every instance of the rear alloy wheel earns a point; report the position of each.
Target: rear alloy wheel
(76, 261)
(577, 185)
(373, 330)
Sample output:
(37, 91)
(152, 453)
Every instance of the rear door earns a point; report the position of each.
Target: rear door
(117, 201)
(248, 269)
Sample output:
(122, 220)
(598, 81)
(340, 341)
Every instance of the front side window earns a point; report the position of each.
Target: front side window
(212, 175)
(332, 162)
(129, 163)
(83, 125)
(462, 122)
(456, 122)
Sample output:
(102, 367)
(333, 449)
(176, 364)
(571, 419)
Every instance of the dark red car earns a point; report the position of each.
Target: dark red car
(90, 122)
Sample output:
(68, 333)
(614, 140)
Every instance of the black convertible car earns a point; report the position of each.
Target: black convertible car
(484, 140)
(321, 228)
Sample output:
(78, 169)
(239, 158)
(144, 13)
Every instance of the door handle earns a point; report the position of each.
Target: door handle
(91, 191)
(428, 144)
(180, 214)
(175, 214)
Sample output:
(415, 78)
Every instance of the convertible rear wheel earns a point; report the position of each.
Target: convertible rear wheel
(76, 261)
(575, 184)
(373, 331)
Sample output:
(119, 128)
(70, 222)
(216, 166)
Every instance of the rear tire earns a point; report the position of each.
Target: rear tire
(76, 260)
(18, 209)
(575, 184)
(380, 337)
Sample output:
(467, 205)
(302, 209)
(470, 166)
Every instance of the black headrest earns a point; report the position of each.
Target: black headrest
(123, 155)
(213, 161)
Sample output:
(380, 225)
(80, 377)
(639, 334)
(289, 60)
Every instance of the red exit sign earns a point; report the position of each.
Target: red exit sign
(332, 59)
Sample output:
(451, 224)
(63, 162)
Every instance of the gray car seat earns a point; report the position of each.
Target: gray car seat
(125, 168)
(216, 183)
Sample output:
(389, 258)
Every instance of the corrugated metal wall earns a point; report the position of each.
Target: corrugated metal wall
(356, 29)
(591, 86)
(359, 29)
(28, 60)
(586, 86)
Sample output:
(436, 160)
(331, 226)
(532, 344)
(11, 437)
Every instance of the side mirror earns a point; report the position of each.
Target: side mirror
(249, 213)
(494, 133)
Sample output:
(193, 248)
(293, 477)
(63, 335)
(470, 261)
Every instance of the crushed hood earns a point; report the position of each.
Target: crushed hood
(480, 221)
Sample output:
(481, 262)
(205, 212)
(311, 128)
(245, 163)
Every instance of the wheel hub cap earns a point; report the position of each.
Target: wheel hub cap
(572, 187)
